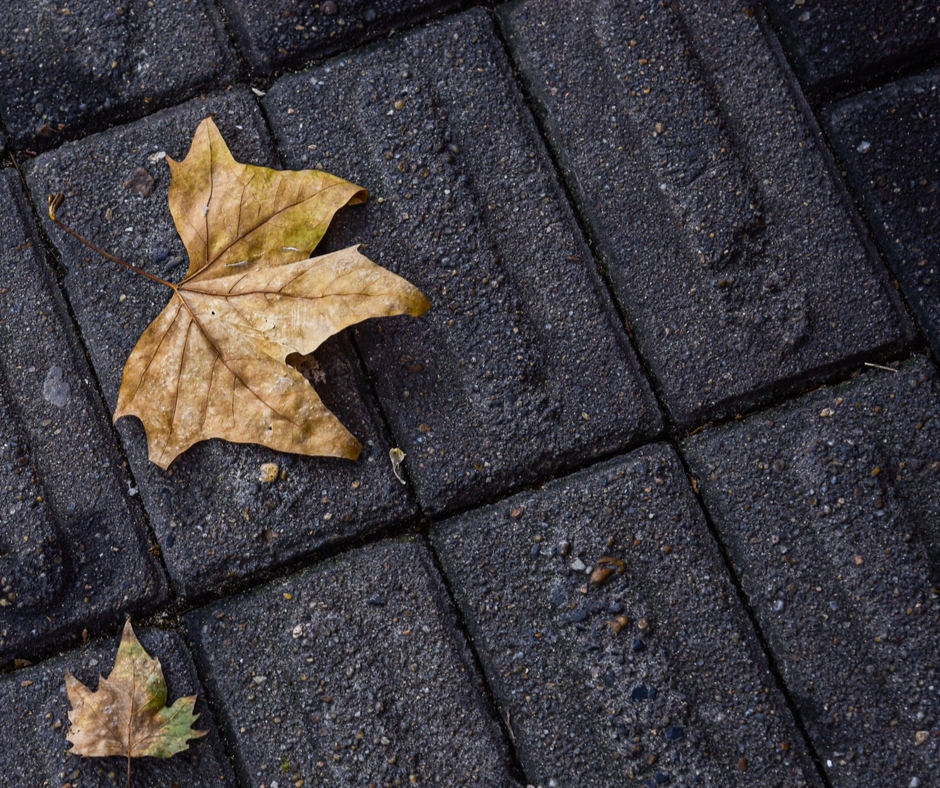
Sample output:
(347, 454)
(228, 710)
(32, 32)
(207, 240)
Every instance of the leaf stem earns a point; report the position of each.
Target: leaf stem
(55, 201)
(128, 770)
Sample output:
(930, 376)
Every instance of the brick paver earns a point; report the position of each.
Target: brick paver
(829, 509)
(630, 228)
(215, 520)
(35, 719)
(724, 236)
(520, 368)
(65, 66)
(278, 33)
(652, 675)
(352, 674)
(833, 43)
(74, 549)
(889, 141)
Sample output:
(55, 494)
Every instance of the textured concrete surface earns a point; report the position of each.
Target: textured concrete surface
(74, 548)
(521, 366)
(352, 674)
(215, 520)
(35, 718)
(724, 236)
(830, 511)
(64, 66)
(644, 671)
(889, 142)
(287, 32)
(833, 43)
(632, 228)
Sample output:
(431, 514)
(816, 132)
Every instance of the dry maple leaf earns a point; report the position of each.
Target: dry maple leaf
(128, 715)
(212, 364)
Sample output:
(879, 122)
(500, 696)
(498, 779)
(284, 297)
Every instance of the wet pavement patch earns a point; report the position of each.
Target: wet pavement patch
(522, 366)
(829, 509)
(583, 706)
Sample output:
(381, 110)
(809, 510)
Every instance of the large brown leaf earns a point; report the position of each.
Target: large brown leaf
(212, 364)
(127, 715)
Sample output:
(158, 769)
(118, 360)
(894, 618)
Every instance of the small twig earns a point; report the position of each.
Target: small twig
(879, 366)
(55, 202)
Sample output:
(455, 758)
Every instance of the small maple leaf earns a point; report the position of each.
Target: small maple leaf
(212, 364)
(128, 715)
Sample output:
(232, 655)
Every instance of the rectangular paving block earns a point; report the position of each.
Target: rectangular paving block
(889, 142)
(833, 44)
(351, 674)
(613, 638)
(34, 708)
(732, 251)
(215, 519)
(74, 548)
(286, 32)
(65, 67)
(829, 509)
(522, 366)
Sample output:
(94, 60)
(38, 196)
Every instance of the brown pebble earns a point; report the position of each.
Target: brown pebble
(329, 8)
(139, 181)
(618, 623)
(921, 737)
(742, 764)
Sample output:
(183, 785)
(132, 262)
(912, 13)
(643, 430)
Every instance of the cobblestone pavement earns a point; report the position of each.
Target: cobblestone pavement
(672, 425)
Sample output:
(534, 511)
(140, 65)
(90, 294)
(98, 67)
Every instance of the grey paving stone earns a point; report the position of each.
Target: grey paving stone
(215, 521)
(521, 367)
(829, 509)
(67, 66)
(889, 141)
(73, 545)
(680, 695)
(351, 673)
(34, 708)
(832, 42)
(727, 242)
(287, 32)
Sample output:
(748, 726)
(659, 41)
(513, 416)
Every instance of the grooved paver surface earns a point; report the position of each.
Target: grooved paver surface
(680, 695)
(521, 366)
(35, 720)
(74, 550)
(832, 42)
(216, 522)
(279, 33)
(830, 511)
(352, 674)
(725, 238)
(889, 141)
(65, 65)
(631, 543)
